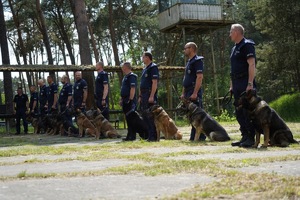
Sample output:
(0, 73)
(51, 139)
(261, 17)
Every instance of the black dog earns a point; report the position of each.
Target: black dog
(66, 127)
(266, 121)
(137, 124)
(202, 122)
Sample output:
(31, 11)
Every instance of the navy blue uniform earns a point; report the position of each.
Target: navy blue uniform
(43, 99)
(34, 97)
(65, 92)
(79, 87)
(149, 73)
(52, 89)
(20, 102)
(193, 67)
(101, 80)
(129, 81)
(239, 77)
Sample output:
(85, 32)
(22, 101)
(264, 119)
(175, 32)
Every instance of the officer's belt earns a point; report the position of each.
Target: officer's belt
(238, 76)
(145, 90)
(189, 88)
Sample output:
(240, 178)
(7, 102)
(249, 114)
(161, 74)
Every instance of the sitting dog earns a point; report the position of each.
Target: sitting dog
(266, 121)
(84, 123)
(34, 120)
(66, 127)
(164, 124)
(138, 125)
(202, 122)
(103, 125)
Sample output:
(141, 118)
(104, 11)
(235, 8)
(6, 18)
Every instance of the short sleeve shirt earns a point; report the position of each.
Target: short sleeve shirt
(193, 67)
(149, 73)
(101, 80)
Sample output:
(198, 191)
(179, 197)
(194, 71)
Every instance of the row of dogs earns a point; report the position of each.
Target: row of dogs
(265, 120)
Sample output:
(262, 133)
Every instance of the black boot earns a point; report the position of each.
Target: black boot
(249, 141)
(237, 144)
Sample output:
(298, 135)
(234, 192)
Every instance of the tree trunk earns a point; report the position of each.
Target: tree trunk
(113, 39)
(8, 91)
(43, 29)
(84, 47)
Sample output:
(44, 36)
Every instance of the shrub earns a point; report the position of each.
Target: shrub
(288, 107)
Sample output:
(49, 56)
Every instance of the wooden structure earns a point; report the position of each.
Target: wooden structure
(196, 17)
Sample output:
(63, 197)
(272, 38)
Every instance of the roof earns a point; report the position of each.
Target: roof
(48, 68)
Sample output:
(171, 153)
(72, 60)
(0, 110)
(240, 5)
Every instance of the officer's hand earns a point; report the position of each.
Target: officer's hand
(249, 87)
(230, 90)
(103, 102)
(182, 97)
(193, 97)
(151, 100)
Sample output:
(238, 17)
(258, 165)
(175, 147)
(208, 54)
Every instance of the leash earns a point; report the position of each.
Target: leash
(227, 98)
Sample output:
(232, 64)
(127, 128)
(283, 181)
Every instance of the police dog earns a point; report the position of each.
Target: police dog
(202, 122)
(164, 124)
(138, 125)
(66, 127)
(103, 125)
(34, 120)
(266, 121)
(84, 123)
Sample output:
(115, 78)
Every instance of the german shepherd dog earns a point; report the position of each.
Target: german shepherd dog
(84, 123)
(103, 125)
(66, 127)
(164, 124)
(35, 122)
(266, 121)
(202, 122)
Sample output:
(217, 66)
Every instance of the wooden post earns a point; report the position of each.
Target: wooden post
(215, 74)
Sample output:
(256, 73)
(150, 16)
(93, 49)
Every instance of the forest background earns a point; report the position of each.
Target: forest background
(74, 32)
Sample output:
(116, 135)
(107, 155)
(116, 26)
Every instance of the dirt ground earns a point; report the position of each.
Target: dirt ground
(126, 186)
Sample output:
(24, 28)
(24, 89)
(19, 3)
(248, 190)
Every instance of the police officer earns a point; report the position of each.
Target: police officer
(128, 98)
(65, 95)
(20, 105)
(80, 92)
(148, 92)
(33, 105)
(51, 95)
(43, 96)
(192, 80)
(101, 90)
(242, 79)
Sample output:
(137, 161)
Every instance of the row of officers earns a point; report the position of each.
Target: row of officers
(243, 63)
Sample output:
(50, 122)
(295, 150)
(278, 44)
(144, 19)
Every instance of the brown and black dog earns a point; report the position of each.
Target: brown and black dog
(103, 125)
(34, 122)
(164, 124)
(202, 122)
(84, 123)
(266, 121)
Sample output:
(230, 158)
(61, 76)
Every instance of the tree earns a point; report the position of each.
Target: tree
(84, 46)
(5, 60)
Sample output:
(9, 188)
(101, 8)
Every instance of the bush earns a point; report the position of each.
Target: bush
(225, 117)
(288, 107)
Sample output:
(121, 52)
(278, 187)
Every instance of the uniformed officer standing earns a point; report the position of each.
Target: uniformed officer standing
(101, 90)
(51, 95)
(242, 79)
(43, 96)
(148, 92)
(33, 105)
(192, 80)
(80, 92)
(65, 95)
(21, 107)
(128, 101)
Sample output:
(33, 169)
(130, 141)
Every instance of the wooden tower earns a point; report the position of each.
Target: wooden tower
(194, 17)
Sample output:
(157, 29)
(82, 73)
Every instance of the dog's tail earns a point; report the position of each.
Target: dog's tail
(219, 136)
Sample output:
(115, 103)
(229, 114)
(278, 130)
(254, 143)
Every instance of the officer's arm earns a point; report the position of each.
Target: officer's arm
(198, 83)
(105, 91)
(55, 99)
(251, 63)
(69, 100)
(85, 92)
(132, 93)
(154, 88)
(34, 104)
(27, 104)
